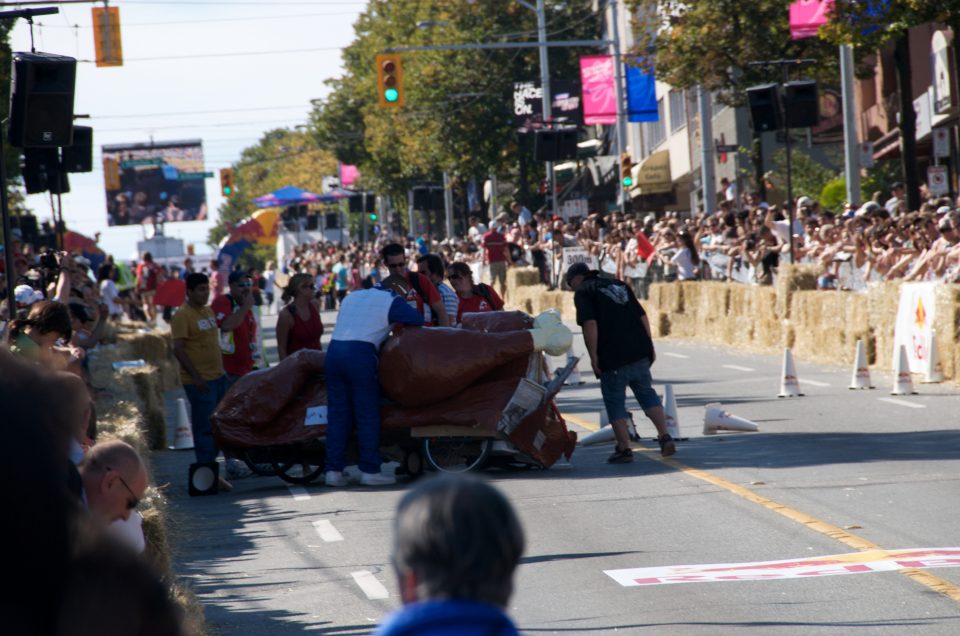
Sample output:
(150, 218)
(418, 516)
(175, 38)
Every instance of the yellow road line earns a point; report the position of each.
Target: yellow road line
(935, 583)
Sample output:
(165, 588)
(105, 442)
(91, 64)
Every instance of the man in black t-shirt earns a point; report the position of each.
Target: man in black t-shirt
(617, 335)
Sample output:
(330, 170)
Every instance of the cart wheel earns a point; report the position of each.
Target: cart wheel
(257, 463)
(295, 470)
(456, 454)
(413, 463)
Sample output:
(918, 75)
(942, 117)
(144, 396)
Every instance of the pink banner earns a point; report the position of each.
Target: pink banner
(348, 175)
(599, 90)
(807, 16)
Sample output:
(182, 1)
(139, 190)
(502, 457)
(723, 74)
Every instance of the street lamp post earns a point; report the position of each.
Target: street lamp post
(547, 108)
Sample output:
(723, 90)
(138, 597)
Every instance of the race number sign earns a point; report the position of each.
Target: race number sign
(573, 255)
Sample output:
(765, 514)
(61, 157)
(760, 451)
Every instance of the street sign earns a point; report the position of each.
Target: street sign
(941, 143)
(866, 154)
(937, 180)
(723, 148)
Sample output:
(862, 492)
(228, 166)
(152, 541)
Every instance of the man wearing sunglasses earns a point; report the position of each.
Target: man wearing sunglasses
(238, 326)
(423, 295)
(114, 480)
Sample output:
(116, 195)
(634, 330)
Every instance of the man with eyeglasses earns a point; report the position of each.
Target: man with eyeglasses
(114, 480)
(238, 326)
(423, 295)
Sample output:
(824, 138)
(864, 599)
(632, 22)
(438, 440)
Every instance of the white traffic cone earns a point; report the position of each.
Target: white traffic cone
(933, 370)
(183, 436)
(789, 383)
(902, 380)
(715, 419)
(574, 377)
(602, 435)
(670, 409)
(861, 371)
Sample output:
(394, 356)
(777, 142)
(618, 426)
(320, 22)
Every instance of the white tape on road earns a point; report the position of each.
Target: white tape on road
(299, 493)
(676, 355)
(326, 530)
(814, 383)
(912, 405)
(737, 367)
(370, 585)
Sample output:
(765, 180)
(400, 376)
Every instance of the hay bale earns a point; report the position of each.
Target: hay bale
(149, 391)
(522, 277)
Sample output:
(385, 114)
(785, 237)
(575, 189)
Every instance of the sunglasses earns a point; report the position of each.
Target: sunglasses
(132, 503)
(242, 285)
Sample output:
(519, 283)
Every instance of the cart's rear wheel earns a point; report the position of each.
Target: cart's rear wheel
(258, 461)
(456, 454)
(413, 463)
(295, 468)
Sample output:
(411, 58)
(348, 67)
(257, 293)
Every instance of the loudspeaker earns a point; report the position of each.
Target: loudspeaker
(567, 145)
(34, 169)
(331, 221)
(356, 203)
(545, 144)
(41, 101)
(313, 222)
(79, 156)
(28, 227)
(765, 110)
(204, 479)
(801, 104)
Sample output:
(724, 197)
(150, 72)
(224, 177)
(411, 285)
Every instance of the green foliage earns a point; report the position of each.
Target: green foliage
(834, 194)
(808, 175)
(712, 42)
(868, 28)
(457, 115)
(880, 177)
(257, 256)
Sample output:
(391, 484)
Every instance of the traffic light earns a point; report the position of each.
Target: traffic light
(226, 182)
(390, 80)
(373, 216)
(626, 170)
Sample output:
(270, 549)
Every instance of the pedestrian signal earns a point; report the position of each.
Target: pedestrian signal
(226, 182)
(390, 80)
(626, 170)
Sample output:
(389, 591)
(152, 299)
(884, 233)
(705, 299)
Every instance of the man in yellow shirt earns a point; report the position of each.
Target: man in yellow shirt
(196, 345)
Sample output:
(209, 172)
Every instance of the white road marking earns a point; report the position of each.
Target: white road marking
(737, 367)
(370, 585)
(912, 405)
(814, 383)
(326, 530)
(298, 492)
(676, 355)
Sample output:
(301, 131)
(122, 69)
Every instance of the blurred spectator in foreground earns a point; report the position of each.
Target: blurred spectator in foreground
(457, 542)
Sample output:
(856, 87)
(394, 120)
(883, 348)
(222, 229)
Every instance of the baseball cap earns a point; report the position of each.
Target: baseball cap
(943, 209)
(27, 295)
(237, 276)
(804, 202)
(577, 269)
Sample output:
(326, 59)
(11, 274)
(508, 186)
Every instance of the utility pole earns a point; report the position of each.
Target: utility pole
(447, 204)
(850, 150)
(545, 93)
(708, 186)
(621, 131)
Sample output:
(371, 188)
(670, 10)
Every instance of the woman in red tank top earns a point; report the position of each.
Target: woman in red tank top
(299, 325)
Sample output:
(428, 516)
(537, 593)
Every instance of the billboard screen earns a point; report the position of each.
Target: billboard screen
(155, 182)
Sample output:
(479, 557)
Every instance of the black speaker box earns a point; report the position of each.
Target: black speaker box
(801, 104)
(567, 144)
(41, 100)
(545, 145)
(79, 156)
(331, 221)
(35, 162)
(765, 109)
(313, 222)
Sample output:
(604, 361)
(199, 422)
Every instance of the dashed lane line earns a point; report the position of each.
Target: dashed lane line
(299, 492)
(676, 355)
(737, 367)
(326, 530)
(935, 583)
(912, 405)
(370, 586)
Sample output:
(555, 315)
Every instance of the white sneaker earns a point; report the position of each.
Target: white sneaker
(377, 479)
(335, 478)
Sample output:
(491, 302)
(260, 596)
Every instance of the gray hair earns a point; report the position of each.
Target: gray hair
(461, 539)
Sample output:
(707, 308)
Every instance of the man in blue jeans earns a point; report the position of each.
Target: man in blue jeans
(617, 334)
(196, 345)
(351, 367)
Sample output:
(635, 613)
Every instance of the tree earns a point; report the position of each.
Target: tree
(876, 24)
(282, 157)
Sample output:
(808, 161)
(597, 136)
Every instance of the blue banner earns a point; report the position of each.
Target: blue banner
(641, 95)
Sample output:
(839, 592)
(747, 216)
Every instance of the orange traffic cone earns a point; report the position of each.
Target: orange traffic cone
(861, 371)
(183, 437)
(789, 383)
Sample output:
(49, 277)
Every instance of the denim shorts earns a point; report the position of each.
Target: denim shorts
(613, 387)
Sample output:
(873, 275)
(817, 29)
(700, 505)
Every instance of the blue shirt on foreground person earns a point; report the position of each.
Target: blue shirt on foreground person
(447, 618)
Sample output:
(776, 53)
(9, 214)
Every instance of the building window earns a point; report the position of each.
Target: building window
(655, 132)
(678, 110)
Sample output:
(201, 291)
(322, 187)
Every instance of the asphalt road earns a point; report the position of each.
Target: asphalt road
(833, 472)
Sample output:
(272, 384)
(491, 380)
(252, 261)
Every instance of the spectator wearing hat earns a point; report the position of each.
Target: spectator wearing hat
(238, 326)
(617, 334)
(25, 296)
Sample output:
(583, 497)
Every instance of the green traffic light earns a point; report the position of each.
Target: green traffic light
(627, 182)
(391, 95)
(226, 190)
(373, 217)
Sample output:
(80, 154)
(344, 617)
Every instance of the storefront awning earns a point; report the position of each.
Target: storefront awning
(652, 175)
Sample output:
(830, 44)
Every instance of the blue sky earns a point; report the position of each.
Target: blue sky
(204, 86)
